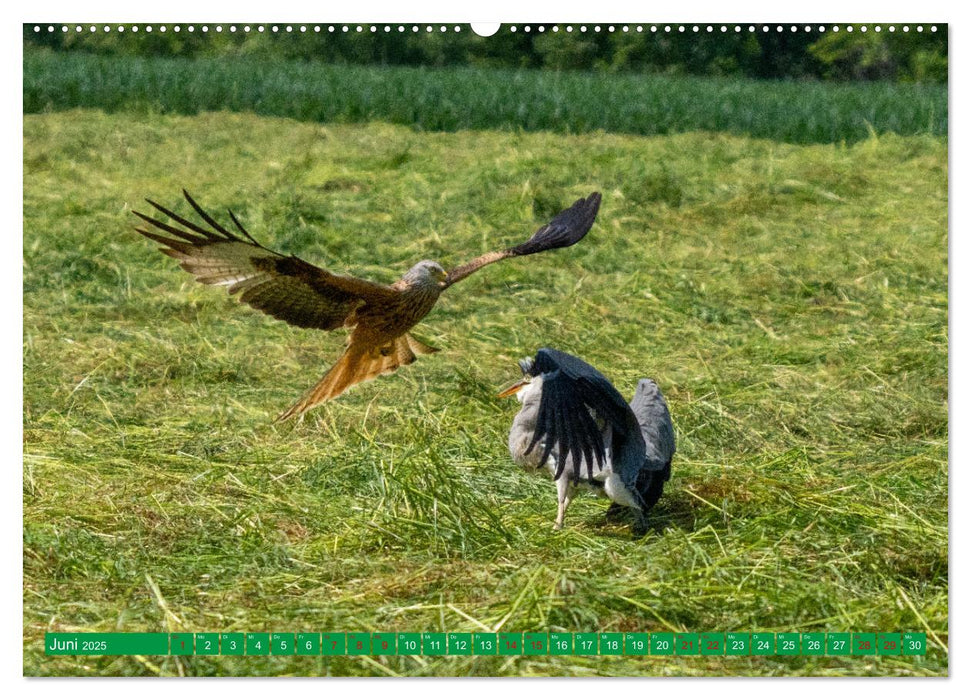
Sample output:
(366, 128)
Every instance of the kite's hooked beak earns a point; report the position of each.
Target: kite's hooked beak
(443, 279)
(511, 391)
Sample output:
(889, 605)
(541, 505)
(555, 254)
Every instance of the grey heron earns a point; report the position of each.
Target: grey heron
(572, 417)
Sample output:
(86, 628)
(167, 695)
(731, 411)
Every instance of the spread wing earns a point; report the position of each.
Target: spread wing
(284, 287)
(566, 228)
(574, 396)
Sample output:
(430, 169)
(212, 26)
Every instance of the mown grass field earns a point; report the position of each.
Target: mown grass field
(451, 99)
(791, 301)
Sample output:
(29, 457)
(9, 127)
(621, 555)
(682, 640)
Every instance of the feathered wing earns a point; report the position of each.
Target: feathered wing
(654, 420)
(566, 228)
(359, 363)
(284, 287)
(573, 393)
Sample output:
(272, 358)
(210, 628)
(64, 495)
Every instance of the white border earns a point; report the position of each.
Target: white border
(509, 11)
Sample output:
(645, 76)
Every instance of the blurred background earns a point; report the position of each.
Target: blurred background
(860, 55)
(798, 86)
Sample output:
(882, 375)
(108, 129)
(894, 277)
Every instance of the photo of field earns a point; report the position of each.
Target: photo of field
(771, 251)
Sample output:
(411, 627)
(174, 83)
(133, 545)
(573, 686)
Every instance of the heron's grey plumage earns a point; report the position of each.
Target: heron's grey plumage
(652, 414)
(576, 424)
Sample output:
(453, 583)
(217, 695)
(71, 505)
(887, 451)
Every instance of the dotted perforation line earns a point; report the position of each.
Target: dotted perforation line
(724, 28)
(247, 28)
(428, 28)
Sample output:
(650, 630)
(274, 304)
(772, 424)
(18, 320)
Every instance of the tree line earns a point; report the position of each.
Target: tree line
(900, 56)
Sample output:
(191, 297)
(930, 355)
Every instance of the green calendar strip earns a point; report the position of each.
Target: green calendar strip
(487, 644)
(107, 644)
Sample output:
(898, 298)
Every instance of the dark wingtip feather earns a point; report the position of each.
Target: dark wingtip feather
(243, 230)
(206, 217)
(567, 228)
(209, 235)
(184, 235)
(177, 245)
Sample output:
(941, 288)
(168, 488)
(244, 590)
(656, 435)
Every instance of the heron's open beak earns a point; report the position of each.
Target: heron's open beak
(511, 391)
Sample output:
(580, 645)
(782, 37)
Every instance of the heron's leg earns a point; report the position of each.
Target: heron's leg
(563, 495)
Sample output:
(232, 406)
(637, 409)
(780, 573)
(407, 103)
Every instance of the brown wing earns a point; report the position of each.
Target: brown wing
(566, 228)
(284, 287)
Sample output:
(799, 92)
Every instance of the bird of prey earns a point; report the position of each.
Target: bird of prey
(572, 417)
(307, 296)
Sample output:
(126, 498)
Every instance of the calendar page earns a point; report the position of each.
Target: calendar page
(602, 348)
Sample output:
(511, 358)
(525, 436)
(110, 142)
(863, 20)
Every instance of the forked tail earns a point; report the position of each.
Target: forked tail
(359, 363)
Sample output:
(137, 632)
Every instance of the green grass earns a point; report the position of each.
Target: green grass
(467, 98)
(791, 301)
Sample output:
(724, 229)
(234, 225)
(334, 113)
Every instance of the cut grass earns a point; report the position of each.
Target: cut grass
(451, 99)
(791, 301)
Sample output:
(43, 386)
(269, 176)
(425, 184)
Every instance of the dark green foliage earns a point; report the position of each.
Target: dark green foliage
(765, 53)
(904, 56)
